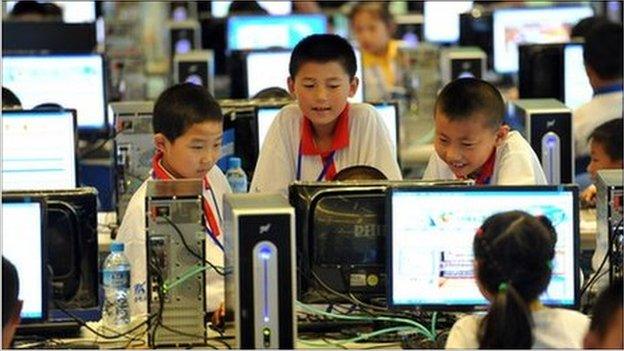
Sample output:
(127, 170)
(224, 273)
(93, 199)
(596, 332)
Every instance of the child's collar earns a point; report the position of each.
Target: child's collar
(340, 137)
(484, 175)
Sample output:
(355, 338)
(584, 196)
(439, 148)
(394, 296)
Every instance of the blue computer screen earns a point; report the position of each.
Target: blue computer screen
(38, 150)
(432, 232)
(263, 32)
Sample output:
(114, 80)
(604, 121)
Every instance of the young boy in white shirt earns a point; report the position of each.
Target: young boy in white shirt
(322, 133)
(471, 141)
(188, 130)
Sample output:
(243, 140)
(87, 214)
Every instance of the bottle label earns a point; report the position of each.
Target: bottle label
(117, 279)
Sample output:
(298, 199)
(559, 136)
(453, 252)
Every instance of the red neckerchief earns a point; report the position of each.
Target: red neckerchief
(487, 170)
(339, 141)
(160, 173)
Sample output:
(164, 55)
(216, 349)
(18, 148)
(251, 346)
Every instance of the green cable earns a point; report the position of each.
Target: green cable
(419, 326)
(363, 336)
(188, 274)
(433, 324)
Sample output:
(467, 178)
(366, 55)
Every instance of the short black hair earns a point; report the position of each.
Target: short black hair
(9, 99)
(181, 106)
(10, 290)
(272, 93)
(584, 26)
(463, 98)
(323, 48)
(603, 50)
(606, 308)
(246, 7)
(360, 172)
(609, 135)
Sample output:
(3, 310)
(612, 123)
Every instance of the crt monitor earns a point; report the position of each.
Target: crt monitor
(23, 228)
(38, 150)
(431, 231)
(269, 68)
(72, 81)
(389, 112)
(576, 87)
(539, 25)
(442, 20)
(220, 8)
(262, 32)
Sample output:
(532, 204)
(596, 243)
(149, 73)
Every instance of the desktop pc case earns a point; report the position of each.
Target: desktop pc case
(462, 62)
(260, 270)
(547, 125)
(195, 67)
(609, 213)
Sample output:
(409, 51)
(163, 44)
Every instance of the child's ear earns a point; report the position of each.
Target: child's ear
(291, 86)
(160, 141)
(353, 85)
(501, 134)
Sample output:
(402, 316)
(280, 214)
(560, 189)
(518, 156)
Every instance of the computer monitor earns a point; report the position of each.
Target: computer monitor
(269, 68)
(23, 243)
(442, 20)
(431, 231)
(540, 25)
(220, 8)
(266, 116)
(38, 150)
(72, 81)
(389, 112)
(73, 11)
(262, 32)
(576, 87)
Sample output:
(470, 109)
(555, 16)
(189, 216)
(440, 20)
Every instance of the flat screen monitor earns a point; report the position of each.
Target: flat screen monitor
(266, 69)
(442, 20)
(576, 87)
(266, 116)
(390, 115)
(263, 32)
(72, 81)
(431, 231)
(220, 8)
(38, 150)
(73, 11)
(539, 25)
(23, 227)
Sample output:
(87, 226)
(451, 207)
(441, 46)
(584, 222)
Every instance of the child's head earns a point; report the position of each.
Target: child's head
(513, 263)
(373, 25)
(602, 53)
(322, 77)
(359, 172)
(11, 305)
(605, 147)
(188, 130)
(605, 330)
(468, 118)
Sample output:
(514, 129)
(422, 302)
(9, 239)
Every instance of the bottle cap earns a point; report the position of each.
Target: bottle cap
(117, 246)
(234, 162)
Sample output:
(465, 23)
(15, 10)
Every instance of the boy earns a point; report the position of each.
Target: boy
(322, 133)
(472, 142)
(605, 330)
(11, 305)
(605, 150)
(188, 130)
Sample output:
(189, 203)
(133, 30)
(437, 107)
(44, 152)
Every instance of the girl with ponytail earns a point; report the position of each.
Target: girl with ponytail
(514, 254)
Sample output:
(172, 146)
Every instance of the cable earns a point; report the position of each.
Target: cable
(177, 230)
(596, 275)
(189, 335)
(434, 318)
(341, 343)
(187, 275)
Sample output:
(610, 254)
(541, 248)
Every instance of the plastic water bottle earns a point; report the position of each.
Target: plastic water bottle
(236, 176)
(116, 274)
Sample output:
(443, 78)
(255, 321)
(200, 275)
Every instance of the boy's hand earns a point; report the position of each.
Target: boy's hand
(588, 196)
(218, 317)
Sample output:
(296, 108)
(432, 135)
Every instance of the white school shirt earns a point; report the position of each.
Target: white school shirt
(369, 144)
(515, 163)
(132, 234)
(600, 109)
(553, 328)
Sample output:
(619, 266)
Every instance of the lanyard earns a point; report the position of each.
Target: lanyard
(609, 89)
(327, 163)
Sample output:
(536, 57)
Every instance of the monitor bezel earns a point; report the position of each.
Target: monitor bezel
(75, 135)
(83, 132)
(496, 188)
(45, 298)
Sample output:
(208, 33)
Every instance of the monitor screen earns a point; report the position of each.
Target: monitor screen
(442, 20)
(263, 32)
(576, 87)
(389, 114)
(38, 150)
(513, 26)
(432, 230)
(72, 81)
(73, 11)
(270, 69)
(220, 8)
(22, 244)
(266, 115)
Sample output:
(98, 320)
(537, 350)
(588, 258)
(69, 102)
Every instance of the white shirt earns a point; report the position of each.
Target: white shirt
(553, 328)
(132, 234)
(369, 144)
(600, 109)
(515, 164)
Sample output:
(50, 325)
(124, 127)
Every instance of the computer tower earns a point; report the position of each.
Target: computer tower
(184, 36)
(195, 67)
(547, 126)
(462, 62)
(260, 267)
(182, 10)
(609, 214)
